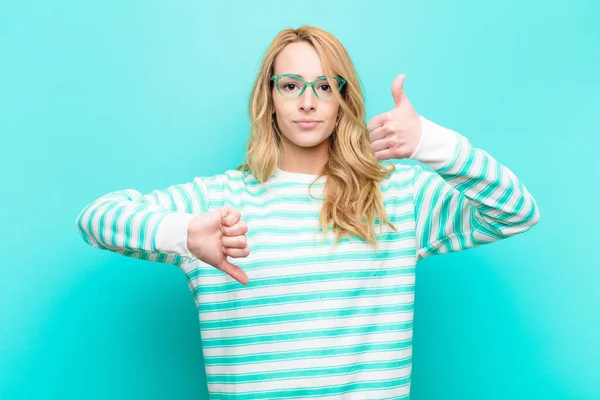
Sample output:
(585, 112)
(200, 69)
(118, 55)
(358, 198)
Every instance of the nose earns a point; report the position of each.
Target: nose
(307, 100)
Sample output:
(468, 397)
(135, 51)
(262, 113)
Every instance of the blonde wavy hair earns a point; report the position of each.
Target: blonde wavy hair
(352, 196)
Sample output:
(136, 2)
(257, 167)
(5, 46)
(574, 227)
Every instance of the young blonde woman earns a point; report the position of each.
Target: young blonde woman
(302, 260)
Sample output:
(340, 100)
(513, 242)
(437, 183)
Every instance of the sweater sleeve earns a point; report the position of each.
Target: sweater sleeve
(149, 226)
(470, 199)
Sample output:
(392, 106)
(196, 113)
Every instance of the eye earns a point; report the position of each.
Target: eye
(325, 87)
(289, 86)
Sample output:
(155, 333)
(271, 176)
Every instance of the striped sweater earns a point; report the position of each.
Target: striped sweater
(317, 320)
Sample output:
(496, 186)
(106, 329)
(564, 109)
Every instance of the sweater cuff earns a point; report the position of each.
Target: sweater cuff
(172, 234)
(437, 146)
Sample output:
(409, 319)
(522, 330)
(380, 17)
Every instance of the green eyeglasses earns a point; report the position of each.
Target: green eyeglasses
(292, 86)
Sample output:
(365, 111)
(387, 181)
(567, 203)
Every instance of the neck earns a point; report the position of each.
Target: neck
(304, 160)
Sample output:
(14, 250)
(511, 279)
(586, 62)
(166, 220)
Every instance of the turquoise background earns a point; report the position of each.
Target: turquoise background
(101, 96)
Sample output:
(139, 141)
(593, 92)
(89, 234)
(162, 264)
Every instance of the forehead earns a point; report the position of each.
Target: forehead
(299, 58)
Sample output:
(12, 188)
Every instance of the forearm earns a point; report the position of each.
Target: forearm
(494, 202)
(128, 223)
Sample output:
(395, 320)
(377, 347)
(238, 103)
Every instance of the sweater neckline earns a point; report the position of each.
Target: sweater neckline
(296, 176)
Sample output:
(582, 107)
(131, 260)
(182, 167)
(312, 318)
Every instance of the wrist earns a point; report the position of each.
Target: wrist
(437, 145)
(172, 234)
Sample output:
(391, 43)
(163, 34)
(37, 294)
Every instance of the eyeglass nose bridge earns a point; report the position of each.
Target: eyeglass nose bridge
(312, 86)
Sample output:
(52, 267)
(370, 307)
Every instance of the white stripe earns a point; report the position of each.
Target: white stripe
(276, 291)
(299, 308)
(308, 344)
(374, 319)
(338, 361)
(282, 271)
(313, 382)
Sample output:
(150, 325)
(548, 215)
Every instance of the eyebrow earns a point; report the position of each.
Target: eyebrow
(291, 73)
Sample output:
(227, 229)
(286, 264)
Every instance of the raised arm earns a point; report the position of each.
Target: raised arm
(469, 200)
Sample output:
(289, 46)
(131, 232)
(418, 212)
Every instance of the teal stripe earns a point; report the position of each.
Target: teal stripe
(532, 212)
(102, 220)
(465, 169)
(481, 226)
(142, 230)
(80, 223)
(487, 191)
(300, 373)
(305, 297)
(395, 184)
(292, 230)
(233, 286)
(318, 392)
(444, 219)
(419, 200)
(460, 230)
(431, 214)
(320, 333)
(277, 214)
(300, 216)
(397, 201)
(307, 316)
(288, 262)
(91, 220)
(520, 203)
(201, 196)
(155, 232)
(499, 204)
(271, 246)
(169, 193)
(287, 200)
(297, 215)
(355, 349)
(189, 207)
(457, 152)
(129, 224)
(114, 232)
(474, 180)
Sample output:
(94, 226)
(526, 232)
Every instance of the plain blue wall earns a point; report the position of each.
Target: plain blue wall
(101, 96)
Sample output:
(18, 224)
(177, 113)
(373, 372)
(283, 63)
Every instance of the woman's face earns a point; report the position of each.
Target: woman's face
(294, 115)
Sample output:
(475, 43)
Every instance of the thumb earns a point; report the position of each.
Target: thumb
(225, 213)
(230, 216)
(234, 271)
(397, 90)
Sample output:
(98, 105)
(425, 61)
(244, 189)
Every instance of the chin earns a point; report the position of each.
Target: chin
(307, 141)
(308, 138)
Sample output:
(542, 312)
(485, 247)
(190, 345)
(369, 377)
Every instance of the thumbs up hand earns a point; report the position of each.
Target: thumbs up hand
(396, 133)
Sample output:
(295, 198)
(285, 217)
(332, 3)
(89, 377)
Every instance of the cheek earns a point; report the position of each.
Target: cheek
(280, 108)
(332, 113)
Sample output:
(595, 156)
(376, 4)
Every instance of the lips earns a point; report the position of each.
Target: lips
(307, 123)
